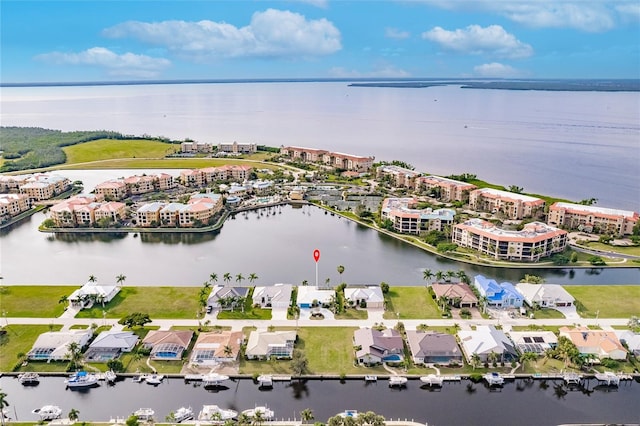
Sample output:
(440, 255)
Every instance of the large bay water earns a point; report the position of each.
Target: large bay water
(521, 402)
(573, 145)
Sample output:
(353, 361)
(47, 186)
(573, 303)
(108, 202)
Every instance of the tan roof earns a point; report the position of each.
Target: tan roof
(218, 341)
(181, 337)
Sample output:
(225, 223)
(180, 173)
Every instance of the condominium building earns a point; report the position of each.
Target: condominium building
(333, 159)
(534, 241)
(193, 147)
(113, 210)
(445, 189)
(238, 148)
(112, 189)
(149, 214)
(11, 183)
(193, 177)
(514, 206)
(592, 218)
(165, 181)
(44, 186)
(137, 185)
(201, 177)
(77, 210)
(12, 205)
(407, 219)
(400, 176)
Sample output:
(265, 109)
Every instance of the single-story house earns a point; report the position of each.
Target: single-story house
(92, 292)
(110, 344)
(267, 344)
(503, 295)
(372, 296)
(631, 339)
(221, 297)
(536, 341)
(545, 295)
(213, 347)
(273, 296)
(458, 294)
(377, 346)
(601, 343)
(433, 348)
(54, 345)
(167, 345)
(309, 294)
(484, 340)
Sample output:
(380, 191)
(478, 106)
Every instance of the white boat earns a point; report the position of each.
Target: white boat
(81, 379)
(214, 413)
(260, 412)
(370, 378)
(29, 378)
(139, 378)
(154, 379)
(348, 413)
(265, 380)
(182, 414)
(5, 414)
(144, 413)
(432, 380)
(110, 376)
(397, 381)
(213, 379)
(494, 379)
(48, 412)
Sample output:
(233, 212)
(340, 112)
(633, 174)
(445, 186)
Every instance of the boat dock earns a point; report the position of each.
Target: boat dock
(572, 378)
(281, 378)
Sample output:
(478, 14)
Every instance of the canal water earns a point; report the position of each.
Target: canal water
(276, 244)
(521, 402)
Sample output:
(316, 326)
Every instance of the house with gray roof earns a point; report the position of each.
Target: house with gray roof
(371, 296)
(223, 297)
(545, 295)
(273, 296)
(431, 347)
(484, 340)
(54, 345)
(378, 346)
(110, 345)
(270, 344)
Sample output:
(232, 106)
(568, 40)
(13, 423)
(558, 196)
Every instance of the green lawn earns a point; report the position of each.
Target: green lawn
(107, 149)
(606, 301)
(34, 301)
(158, 302)
(635, 250)
(410, 303)
(547, 314)
(19, 339)
(353, 314)
(164, 163)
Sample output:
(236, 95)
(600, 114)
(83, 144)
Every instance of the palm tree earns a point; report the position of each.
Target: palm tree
(306, 415)
(120, 279)
(226, 277)
(213, 277)
(327, 281)
(63, 299)
(475, 360)
(92, 279)
(258, 418)
(73, 414)
(340, 271)
(493, 357)
(463, 276)
(239, 279)
(439, 276)
(427, 275)
(526, 357)
(449, 275)
(228, 351)
(3, 404)
(252, 277)
(75, 353)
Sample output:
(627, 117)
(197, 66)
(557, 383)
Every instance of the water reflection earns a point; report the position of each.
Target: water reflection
(177, 238)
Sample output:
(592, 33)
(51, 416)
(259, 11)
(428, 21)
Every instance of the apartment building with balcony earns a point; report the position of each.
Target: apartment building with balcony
(334, 159)
(12, 205)
(115, 189)
(76, 211)
(193, 177)
(114, 210)
(306, 155)
(238, 148)
(534, 241)
(407, 219)
(149, 214)
(514, 206)
(401, 177)
(592, 219)
(44, 186)
(137, 185)
(446, 189)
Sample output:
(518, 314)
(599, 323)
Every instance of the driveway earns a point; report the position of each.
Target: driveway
(569, 312)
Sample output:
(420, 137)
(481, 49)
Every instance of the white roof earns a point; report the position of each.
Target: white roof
(308, 293)
(483, 340)
(277, 292)
(115, 339)
(59, 341)
(371, 294)
(538, 292)
(507, 194)
(593, 209)
(260, 341)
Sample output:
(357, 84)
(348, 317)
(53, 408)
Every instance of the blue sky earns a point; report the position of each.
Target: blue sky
(54, 41)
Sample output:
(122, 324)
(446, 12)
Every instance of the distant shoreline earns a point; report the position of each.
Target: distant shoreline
(572, 85)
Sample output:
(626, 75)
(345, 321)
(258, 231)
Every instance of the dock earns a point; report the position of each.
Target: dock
(281, 378)
(572, 378)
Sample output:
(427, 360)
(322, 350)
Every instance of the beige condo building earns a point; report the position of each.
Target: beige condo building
(592, 219)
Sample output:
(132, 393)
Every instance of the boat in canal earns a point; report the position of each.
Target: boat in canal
(81, 379)
(213, 413)
(265, 380)
(397, 381)
(609, 378)
(213, 379)
(48, 412)
(494, 379)
(110, 376)
(432, 380)
(182, 414)
(260, 412)
(370, 378)
(348, 413)
(154, 379)
(29, 379)
(144, 413)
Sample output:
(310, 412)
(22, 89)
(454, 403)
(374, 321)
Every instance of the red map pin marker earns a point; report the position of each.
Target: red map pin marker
(316, 255)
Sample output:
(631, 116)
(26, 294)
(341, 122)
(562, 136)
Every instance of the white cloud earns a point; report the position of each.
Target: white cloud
(272, 33)
(126, 64)
(629, 11)
(590, 16)
(396, 34)
(323, 4)
(380, 71)
(496, 69)
(474, 39)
